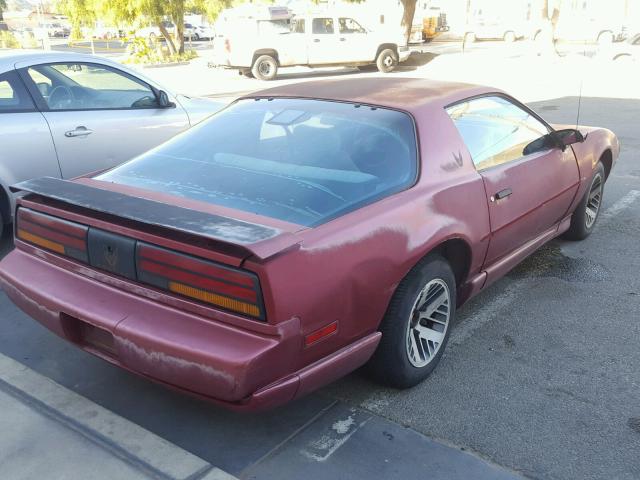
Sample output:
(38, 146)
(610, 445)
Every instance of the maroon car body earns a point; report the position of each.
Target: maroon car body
(325, 288)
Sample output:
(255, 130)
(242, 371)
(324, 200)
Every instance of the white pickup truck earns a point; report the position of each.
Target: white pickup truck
(318, 40)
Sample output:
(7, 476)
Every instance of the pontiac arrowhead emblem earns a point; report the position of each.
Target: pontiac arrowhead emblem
(458, 158)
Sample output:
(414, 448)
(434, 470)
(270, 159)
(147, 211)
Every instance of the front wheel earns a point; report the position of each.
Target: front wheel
(584, 218)
(510, 37)
(265, 67)
(387, 60)
(416, 327)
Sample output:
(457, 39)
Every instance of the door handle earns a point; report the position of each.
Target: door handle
(342, 39)
(78, 132)
(502, 194)
(316, 40)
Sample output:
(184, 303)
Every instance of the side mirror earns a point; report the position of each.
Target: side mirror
(567, 137)
(163, 100)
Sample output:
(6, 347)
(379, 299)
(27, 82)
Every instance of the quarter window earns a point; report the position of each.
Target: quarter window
(495, 130)
(13, 96)
(82, 86)
(322, 26)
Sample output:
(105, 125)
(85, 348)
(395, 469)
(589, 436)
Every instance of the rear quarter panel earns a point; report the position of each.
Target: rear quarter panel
(347, 270)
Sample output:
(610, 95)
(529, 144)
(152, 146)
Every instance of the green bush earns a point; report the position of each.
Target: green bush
(8, 40)
(142, 50)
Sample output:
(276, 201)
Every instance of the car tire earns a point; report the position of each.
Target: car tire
(387, 60)
(585, 216)
(1, 225)
(265, 68)
(510, 37)
(405, 356)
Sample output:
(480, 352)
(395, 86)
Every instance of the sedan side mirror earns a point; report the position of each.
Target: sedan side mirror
(567, 137)
(163, 100)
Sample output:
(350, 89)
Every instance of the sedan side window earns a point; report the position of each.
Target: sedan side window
(85, 86)
(495, 130)
(322, 26)
(13, 96)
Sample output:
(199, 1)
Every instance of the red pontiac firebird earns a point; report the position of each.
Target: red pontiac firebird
(303, 232)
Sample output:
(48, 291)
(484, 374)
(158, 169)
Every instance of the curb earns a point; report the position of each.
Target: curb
(128, 441)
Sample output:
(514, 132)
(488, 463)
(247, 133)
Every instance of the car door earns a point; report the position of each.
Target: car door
(100, 116)
(355, 46)
(324, 43)
(527, 194)
(26, 146)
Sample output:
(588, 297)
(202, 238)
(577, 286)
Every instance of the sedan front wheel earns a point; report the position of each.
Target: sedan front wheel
(584, 218)
(416, 327)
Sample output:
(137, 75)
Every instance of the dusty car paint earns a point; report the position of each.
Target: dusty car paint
(344, 271)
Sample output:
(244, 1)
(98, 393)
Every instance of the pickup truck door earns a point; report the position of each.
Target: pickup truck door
(355, 44)
(26, 147)
(324, 45)
(527, 195)
(99, 116)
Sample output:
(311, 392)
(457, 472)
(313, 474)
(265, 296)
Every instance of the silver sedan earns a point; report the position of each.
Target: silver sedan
(65, 115)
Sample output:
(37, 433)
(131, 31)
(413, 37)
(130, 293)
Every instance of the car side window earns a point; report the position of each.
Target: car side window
(322, 26)
(13, 96)
(298, 25)
(349, 25)
(86, 86)
(495, 130)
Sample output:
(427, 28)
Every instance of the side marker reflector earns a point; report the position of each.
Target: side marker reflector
(320, 334)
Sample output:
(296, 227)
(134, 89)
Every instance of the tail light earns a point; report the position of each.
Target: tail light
(227, 45)
(207, 282)
(52, 233)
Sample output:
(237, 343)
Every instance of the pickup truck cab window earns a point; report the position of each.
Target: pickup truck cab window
(349, 25)
(495, 130)
(323, 26)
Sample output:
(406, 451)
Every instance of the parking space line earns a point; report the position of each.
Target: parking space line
(125, 439)
(622, 204)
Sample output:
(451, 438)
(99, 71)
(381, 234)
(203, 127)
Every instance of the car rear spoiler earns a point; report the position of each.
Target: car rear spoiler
(259, 240)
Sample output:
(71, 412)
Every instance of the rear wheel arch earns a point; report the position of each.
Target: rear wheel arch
(457, 253)
(607, 161)
(265, 51)
(384, 46)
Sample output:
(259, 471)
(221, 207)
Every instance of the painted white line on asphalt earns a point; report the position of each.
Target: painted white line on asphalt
(104, 427)
(341, 431)
(622, 204)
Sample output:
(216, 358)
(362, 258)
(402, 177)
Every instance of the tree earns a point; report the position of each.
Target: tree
(409, 11)
(550, 15)
(3, 7)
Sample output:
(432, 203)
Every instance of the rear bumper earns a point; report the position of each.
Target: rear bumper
(236, 368)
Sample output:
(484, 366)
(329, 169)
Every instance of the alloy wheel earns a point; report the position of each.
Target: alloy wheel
(428, 323)
(595, 199)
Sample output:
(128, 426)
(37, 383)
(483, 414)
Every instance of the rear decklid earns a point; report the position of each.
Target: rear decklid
(260, 240)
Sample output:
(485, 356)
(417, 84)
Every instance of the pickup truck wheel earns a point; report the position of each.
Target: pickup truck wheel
(584, 218)
(387, 60)
(417, 324)
(265, 67)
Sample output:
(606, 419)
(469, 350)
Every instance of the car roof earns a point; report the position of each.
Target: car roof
(409, 94)
(10, 57)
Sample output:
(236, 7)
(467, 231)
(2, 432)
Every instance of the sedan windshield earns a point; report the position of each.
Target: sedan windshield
(301, 161)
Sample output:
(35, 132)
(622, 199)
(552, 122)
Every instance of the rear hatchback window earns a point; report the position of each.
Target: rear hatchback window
(301, 161)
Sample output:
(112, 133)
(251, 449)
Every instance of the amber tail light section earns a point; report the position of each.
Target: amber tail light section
(52, 233)
(200, 280)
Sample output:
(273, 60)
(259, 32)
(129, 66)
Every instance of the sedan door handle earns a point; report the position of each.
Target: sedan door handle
(316, 40)
(342, 39)
(78, 132)
(503, 194)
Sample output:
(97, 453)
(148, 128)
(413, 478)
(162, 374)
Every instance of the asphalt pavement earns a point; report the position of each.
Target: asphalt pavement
(541, 377)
